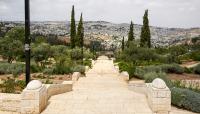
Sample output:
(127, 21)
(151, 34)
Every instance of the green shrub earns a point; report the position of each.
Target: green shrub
(76, 54)
(188, 70)
(34, 67)
(87, 62)
(197, 69)
(79, 68)
(185, 98)
(62, 69)
(9, 86)
(14, 68)
(130, 68)
(48, 71)
(149, 77)
(172, 68)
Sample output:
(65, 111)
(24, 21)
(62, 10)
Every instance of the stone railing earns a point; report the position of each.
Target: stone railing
(159, 97)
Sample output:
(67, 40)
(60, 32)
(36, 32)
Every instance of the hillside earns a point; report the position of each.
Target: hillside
(111, 33)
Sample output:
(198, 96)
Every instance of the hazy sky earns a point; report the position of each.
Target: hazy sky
(164, 13)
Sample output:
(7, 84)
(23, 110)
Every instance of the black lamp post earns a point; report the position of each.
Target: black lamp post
(27, 40)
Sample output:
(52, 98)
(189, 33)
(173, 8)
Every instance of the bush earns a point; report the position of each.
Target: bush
(130, 68)
(14, 68)
(185, 98)
(9, 86)
(87, 62)
(172, 68)
(48, 71)
(34, 67)
(79, 68)
(149, 77)
(62, 69)
(188, 70)
(76, 54)
(197, 69)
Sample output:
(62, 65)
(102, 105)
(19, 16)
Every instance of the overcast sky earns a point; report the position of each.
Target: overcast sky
(164, 13)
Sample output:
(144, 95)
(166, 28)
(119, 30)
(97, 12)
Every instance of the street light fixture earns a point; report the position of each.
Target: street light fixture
(27, 40)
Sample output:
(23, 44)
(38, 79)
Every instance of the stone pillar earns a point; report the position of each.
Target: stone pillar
(75, 76)
(159, 97)
(125, 75)
(87, 68)
(34, 98)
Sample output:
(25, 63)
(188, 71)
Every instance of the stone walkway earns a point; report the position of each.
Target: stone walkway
(102, 91)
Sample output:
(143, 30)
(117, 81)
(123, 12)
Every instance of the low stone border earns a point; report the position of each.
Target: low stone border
(34, 97)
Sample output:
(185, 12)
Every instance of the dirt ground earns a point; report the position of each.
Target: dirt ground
(56, 79)
(184, 76)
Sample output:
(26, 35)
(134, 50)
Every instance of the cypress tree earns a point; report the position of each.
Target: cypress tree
(80, 33)
(145, 37)
(73, 28)
(80, 36)
(123, 44)
(131, 33)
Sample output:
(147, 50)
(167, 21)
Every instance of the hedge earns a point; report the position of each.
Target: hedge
(185, 98)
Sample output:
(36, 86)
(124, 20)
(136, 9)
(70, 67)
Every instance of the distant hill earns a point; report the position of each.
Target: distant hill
(112, 33)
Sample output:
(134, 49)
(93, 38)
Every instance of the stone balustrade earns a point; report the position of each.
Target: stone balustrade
(159, 97)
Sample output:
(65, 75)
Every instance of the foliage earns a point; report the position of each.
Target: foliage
(138, 55)
(87, 62)
(166, 68)
(41, 53)
(197, 69)
(48, 71)
(62, 69)
(149, 77)
(188, 70)
(131, 34)
(34, 67)
(76, 54)
(80, 33)
(123, 44)
(130, 68)
(73, 28)
(9, 86)
(14, 68)
(172, 68)
(11, 46)
(79, 68)
(185, 98)
(145, 38)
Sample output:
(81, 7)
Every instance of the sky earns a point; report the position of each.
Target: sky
(162, 13)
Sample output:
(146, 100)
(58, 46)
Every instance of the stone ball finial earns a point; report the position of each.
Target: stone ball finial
(159, 83)
(34, 84)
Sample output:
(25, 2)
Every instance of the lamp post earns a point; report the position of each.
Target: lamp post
(27, 40)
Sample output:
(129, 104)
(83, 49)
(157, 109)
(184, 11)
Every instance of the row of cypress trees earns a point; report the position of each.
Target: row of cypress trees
(77, 37)
(145, 37)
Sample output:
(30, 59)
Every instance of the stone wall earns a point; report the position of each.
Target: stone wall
(54, 89)
(34, 97)
(10, 102)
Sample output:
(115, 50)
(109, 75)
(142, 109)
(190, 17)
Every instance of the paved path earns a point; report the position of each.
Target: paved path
(100, 92)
